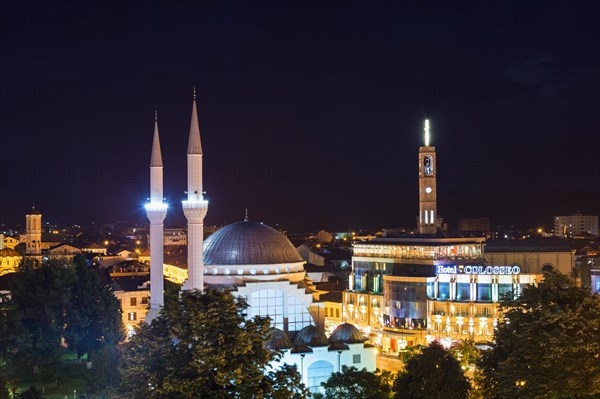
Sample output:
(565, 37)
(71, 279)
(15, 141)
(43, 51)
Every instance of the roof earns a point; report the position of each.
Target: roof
(529, 245)
(346, 333)
(334, 296)
(130, 283)
(310, 336)
(278, 340)
(175, 255)
(8, 252)
(249, 243)
(423, 241)
(194, 142)
(156, 157)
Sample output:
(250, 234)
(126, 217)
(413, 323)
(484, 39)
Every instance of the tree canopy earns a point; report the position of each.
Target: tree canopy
(352, 383)
(547, 346)
(202, 346)
(93, 318)
(433, 374)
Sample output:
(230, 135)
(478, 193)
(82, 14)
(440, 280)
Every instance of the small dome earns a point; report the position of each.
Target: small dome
(249, 243)
(279, 340)
(346, 333)
(310, 336)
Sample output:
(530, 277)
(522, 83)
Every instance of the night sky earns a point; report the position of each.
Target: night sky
(311, 114)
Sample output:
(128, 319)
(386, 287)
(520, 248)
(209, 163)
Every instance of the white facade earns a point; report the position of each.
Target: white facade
(317, 365)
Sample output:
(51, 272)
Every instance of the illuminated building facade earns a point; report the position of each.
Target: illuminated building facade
(413, 289)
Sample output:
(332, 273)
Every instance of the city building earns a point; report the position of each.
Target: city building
(475, 226)
(10, 242)
(409, 289)
(9, 261)
(575, 225)
(175, 237)
(33, 233)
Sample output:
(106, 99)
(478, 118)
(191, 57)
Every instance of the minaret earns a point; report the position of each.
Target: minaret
(33, 232)
(427, 187)
(195, 207)
(156, 210)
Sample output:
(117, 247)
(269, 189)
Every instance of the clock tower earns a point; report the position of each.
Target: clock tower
(427, 187)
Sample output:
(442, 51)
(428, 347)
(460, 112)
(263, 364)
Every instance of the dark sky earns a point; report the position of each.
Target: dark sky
(311, 113)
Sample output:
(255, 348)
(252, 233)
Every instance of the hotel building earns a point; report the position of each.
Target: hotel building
(413, 289)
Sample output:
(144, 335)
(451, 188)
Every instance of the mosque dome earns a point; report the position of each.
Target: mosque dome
(249, 243)
(279, 340)
(346, 333)
(310, 336)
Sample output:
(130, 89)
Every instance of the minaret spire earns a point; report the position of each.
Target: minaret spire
(156, 157)
(195, 207)
(156, 210)
(246, 216)
(194, 142)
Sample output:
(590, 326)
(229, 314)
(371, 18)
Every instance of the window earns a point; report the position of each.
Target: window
(318, 372)
(144, 300)
(337, 313)
(133, 301)
(132, 316)
(356, 359)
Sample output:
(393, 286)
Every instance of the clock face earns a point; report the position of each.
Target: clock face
(428, 190)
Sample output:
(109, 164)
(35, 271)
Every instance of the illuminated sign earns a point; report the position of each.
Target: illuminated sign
(460, 269)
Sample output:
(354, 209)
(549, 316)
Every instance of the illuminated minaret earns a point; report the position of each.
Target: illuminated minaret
(195, 207)
(33, 232)
(156, 210)
(427, 187)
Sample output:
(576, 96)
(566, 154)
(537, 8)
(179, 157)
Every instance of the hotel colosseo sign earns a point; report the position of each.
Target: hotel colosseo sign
(460, 269)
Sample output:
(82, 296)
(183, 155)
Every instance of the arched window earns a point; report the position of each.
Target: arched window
(318, 372)
(547, 268)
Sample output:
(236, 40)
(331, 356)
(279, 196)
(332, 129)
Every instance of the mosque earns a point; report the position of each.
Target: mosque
(257, 262)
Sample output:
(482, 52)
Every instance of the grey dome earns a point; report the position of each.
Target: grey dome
(346, 333)
(310, 336)
(279, 340)
(248, 243)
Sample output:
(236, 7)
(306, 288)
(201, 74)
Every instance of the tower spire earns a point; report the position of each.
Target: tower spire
(246, 215)
(156, 157)
(426, 132)
(194, 142)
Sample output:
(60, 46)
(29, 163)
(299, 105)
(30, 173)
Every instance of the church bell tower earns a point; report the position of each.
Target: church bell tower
(427, 187)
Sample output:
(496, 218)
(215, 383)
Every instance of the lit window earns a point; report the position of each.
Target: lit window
(132, 316)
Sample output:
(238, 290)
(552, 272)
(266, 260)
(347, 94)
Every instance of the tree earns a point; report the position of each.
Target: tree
(547, 345)
(202, 346)
(465, 351)
(41, 295)
(31, 393)
(432, 374)
(352, 383)
(93, 318)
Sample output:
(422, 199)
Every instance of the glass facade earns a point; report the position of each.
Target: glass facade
(462, 292)
(405, 300)
(281, 308)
